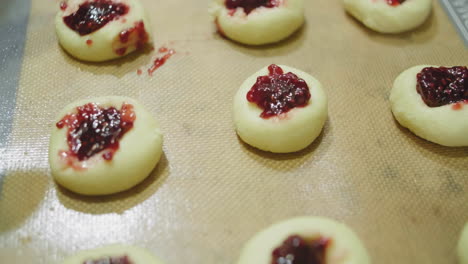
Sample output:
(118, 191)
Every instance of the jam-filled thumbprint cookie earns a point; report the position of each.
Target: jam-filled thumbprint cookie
(305, 240)
(113, 254)
(280, 109)
(258, 22)
(432, 102)
(104, 145)
(389, 16)
(100, 30)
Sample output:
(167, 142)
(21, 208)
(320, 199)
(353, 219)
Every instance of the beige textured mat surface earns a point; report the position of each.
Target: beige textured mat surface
(405, 197)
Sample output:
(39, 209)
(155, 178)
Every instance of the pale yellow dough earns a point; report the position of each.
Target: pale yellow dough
(139, 151)
(345, 246)
(261, 26)
(463, 246)
(105, 41)
(384, 18)
(136, 255)
(289, 132)
(442, 125)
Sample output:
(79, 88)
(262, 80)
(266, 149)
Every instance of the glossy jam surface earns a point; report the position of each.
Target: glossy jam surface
(395, 2)
(278, 92)
(93, 15)
(442, 86)
(93, 129)
(250, 5)
(296, 250)
(110, 260)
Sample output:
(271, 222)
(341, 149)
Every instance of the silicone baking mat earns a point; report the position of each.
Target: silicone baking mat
(405, 197)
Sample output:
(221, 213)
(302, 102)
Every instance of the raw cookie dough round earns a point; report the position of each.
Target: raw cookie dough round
(120, 36)
(262, 25)
(381, 16)
(135, 255)
(463, 246)
(138, 152)
(443, 125)
(343, 247)
(287, 132)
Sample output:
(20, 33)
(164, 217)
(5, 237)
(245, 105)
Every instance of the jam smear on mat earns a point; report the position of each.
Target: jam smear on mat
(278, 92)
(250, 5)
(93, 129)
(93, 15)
(442, 86)
(110, 260)
(160, 61)
(296, 250)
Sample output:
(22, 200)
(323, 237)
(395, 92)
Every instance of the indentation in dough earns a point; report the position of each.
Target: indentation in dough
(101, 30)
(445, 125)
(265, 24)
(389, 16)
(138, 152)
(343, 247)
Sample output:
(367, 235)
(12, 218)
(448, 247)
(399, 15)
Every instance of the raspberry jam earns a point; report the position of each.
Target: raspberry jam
(63, 6)
(278, 92)
(94, 129)
(135, 35)
(250, 5)
(158, 62)
(296, 250)
(395, 2)
(110, 260)
(442, 86)
(121, 51)
(93, 15)
(138, 31)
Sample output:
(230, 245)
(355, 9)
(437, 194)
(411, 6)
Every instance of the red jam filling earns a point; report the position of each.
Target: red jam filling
(93, 15)
(139, 31)
(158, 62)
(136, 35)
(110, 260)
(94, 129)
(63, 6)
(121, 51)
(278, 92)
(459, 105)
(296, 250)
(443, 86)
(250, 5)
(395, 2)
